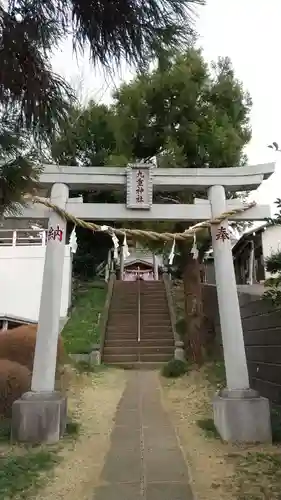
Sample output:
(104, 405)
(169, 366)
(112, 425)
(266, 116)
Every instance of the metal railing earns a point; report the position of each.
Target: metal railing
(22, 237)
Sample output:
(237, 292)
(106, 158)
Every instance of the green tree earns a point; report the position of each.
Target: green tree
(37, 99)
(186, 111)
(182, 113)
(273, 266)
(87, 137)
(18, 173)
(31, 29)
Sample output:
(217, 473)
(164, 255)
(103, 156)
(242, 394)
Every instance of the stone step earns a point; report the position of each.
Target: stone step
(138, 349)
(156, 357)
(119, 358)
(121, 316)
(137, 365)
(157, 327)
(113, 328)
(145, 328)
(147, 336)
(155, 322)
(133, 358)
(149, 298)
(126, 319)
(153, 296)
(146, 341)
(123, 327)
(143, 342)
(154, 306)
(147, 315)
(124, 303)
(130, 299)
(120, 335)
(123, 306)
(150, 333)
(148, 285)
(116, 359)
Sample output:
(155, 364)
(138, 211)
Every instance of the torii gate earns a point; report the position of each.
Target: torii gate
(240, 414)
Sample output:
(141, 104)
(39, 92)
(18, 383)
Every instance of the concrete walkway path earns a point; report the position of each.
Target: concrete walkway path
(144, 461)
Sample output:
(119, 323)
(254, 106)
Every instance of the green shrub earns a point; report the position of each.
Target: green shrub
(72, 428)
(208, 426)
(85, 367)
(15, 380)
(18, 345)
(174, 368)
(276, 425)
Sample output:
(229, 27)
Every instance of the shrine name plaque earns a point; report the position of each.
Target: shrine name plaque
(139, 186)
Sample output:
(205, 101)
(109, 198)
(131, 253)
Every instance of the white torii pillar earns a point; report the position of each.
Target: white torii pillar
(40, 415)
(240, 414)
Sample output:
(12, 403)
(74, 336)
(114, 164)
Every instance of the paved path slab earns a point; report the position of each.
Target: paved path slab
(144, 461)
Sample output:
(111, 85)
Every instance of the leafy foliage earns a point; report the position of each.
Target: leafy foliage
(14, 381)
(87, 137)
(19, 169)
(18, 345)
(129, 29)
(28, 88)
(24, 471)
(185, 115)
(175, 368)
(123, 29)
(80, 335)
(273, 266)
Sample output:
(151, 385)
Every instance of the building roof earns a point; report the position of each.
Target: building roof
(142, 257)
(137, 261)
(250, 232)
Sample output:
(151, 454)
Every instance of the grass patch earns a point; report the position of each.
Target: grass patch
(215, 373)
(86, 367)
(82, 329)
(258, 475)
(5, 430)
(21, 472)
(208, 426)
(24, 469)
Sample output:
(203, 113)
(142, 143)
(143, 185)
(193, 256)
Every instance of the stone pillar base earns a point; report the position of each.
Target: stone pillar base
(39, 417)
(242, 417)
(179, 353)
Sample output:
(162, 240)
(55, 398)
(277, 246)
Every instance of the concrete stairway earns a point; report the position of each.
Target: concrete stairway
(156, 344)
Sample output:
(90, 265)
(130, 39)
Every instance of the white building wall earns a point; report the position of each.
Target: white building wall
(271, 243)
(21, 274)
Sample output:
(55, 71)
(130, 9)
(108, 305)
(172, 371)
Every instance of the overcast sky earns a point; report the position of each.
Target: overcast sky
(248, 31)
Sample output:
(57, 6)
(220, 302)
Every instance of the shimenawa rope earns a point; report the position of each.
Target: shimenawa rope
(140, 233)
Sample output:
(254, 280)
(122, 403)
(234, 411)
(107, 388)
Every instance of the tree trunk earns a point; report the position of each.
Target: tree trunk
(193, 307)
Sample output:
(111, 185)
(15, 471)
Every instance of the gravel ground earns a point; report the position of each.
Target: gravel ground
(218, 470)
(187, 400)
(92, 401)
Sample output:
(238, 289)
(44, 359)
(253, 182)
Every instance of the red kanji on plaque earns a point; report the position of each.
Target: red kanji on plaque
(55, 234)
(222, 234)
